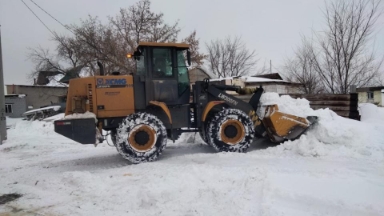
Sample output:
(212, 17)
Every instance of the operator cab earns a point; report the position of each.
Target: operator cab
(163, 68)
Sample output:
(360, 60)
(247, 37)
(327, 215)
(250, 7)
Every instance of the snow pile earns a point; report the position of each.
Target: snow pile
(299, 107)
(55, 117)
(81, 116)
(332, 135)
(54, 81)
(371, 113)
(11, 122)
(328, 171)
(33, 128)
(55, 108)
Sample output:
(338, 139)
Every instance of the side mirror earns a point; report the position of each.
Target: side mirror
(189, 57)
(136, 55)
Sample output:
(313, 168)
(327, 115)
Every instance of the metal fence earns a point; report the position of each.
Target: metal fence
(345, 105)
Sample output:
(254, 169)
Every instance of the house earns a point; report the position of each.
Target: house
(49, 88)
(199, 74)
(274, 76)
(15, 105)
(35, 96)
(270, 83)
(373, 95)
(57, 78)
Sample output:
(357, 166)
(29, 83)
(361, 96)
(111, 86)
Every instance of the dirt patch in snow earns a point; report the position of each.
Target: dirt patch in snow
(6, 198)
(8, 149)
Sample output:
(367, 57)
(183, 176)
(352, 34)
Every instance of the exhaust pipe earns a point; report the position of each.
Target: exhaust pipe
(101, 68)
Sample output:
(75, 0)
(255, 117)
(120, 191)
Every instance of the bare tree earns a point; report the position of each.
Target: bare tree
(264, 69)
(99, 43)
(197, 57)
(61, 62)
(138, 23)
(302, 68)
(109, 43)
(379, 80)
(66, 53)
(44, 60)
(342, 55)
(345, 56)
(230, 57)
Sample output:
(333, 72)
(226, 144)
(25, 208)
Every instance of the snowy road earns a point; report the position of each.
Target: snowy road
(323, 173)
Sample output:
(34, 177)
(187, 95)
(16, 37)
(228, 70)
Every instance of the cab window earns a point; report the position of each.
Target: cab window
(140, 64)
(162, 63)
(182, 72)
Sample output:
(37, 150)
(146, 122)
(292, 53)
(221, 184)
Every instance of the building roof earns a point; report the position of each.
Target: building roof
(15, 95)
(39, 86)
(155, 44)
(250, 80)
(57, 78)
(275, 76)
(204, 70)
(42, 77)
(367, 89)
(261, 80)
(221, 79)
(71, 74)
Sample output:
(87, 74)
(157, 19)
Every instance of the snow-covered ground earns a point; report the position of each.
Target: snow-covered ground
(336, 168)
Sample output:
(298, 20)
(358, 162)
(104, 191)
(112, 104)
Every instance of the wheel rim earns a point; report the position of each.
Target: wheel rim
(142, 138)
(232, 131)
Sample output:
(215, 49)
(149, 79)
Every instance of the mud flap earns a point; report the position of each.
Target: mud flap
(80, 130)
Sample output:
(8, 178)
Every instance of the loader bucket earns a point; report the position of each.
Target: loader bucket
(281, 126)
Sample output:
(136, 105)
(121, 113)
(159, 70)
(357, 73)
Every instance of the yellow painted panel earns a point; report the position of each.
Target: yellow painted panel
(115, 94)
(79, 88)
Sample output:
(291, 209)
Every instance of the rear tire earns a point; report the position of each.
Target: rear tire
(141, 137)
(230, 130)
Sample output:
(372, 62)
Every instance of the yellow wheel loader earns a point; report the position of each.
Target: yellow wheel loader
(141, 111)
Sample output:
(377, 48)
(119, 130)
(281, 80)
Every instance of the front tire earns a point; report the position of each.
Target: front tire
(141, 137)
(230, 130)
(113, 135)
(203, 133)
(203, 137)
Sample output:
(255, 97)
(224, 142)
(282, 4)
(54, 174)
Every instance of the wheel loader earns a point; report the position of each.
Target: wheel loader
(141, 111)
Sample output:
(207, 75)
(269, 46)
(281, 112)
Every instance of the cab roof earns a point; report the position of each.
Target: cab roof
(155, 44)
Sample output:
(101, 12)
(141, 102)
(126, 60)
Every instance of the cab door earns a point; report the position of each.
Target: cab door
(163, 75)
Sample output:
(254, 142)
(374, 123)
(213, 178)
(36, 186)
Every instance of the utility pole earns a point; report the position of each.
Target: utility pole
(3, 124)
(270, 66)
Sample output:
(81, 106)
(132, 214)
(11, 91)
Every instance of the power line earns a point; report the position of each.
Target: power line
(52, 16)
(38, 18)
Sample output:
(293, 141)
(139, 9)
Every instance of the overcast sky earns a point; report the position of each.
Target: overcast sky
(271, 27)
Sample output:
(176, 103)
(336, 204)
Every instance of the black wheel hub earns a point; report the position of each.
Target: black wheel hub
(230, 131)
(141, 137)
